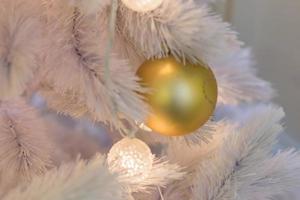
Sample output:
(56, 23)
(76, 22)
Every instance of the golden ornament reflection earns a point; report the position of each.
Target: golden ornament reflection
(182, 97)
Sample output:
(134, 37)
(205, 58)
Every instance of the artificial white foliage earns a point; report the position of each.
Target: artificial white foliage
(88, 180)
(57, 48)
(161, 174)
(21, 41)
(89, 7)
(240, 168)
(25, 149)
(190, 156)
(206, 1)
(64, 102)
(278, 175)
(78, 38)
(181, 28)
(238, 81)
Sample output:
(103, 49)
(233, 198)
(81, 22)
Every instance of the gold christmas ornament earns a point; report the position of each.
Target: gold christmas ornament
(132, 158)
(142, 5)
(182, 97)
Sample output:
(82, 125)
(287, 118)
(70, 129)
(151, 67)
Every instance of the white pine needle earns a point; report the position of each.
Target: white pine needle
(21, 42)
(89, 7)
(73, 181)
(240, 166)
(237, 80)
(79, 75)
(161, 174)
(178, 27)
(25, 150)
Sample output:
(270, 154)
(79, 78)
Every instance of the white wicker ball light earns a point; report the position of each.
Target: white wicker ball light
(142, 5)
(132, 157)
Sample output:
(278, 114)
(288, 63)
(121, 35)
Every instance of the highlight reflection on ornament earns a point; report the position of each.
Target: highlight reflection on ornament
(142, 5)
(131, 157)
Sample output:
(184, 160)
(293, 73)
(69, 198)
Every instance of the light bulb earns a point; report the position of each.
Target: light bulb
(132, 158)
(142, 5)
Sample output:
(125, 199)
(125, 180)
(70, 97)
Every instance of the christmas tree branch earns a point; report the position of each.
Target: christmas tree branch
(238, 81)
(74, 181)
(239, 168)
(25, 150)
(86, 73)
(21, 41)
(181, 28)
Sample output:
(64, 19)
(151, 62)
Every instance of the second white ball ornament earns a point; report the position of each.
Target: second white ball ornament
(142, 5)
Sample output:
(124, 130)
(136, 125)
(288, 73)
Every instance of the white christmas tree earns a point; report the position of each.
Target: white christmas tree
(74, 110)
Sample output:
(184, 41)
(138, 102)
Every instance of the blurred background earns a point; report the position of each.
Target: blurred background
(272, 29)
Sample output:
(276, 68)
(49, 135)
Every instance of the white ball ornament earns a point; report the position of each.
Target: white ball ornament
(142, 5)
(132, 158)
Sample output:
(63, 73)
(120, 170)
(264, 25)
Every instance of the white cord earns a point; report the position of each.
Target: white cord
(110, 41)
(160, 193)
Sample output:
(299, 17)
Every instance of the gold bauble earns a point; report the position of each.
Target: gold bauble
(182, 97)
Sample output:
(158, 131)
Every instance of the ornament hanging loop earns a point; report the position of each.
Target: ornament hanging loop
(107, 56)
(107, 63)
(110, 41)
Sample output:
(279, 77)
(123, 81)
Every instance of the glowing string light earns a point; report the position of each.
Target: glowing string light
(132, 158)
(142, 5)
